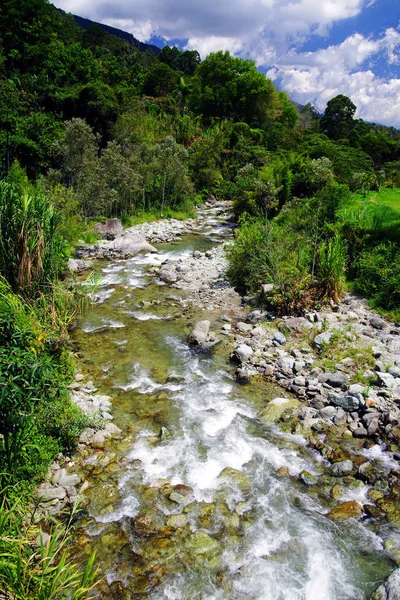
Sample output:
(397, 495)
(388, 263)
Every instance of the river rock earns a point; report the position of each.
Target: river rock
(115, 431)
(48, 493)
(377, 323)
(390, 589)
(308, 478)
(235, 477)
(333, 379)
(342, 468)
(198, 335)
(286, 365)
(297, 324)
(131, 244)
(69, 480)
(177, 521)
(244, 327)
(110, 229)
(98, 440)
(267, 288)
(348, 402)
(322, 339)
(345, 511)
(279, 338)
(201, 543)
(275, 409)
(328, 412)
(243, 353)
(386, 380)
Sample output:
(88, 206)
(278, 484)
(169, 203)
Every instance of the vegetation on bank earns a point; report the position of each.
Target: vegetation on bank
(91, 128)
(37, 418)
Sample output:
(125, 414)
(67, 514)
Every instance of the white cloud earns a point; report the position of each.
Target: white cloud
(205, 45)
(318, 76)
(141, 30)
(225, 19)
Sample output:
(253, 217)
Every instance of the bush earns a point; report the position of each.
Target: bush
(378, 275)
(266, 253)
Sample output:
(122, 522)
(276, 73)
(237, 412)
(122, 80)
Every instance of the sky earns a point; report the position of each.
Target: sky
(312, 49)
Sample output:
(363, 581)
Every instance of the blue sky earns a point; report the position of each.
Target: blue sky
(313, 49)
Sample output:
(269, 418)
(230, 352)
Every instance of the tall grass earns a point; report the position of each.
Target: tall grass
(332, 267)
(34, 569)
(32, 253)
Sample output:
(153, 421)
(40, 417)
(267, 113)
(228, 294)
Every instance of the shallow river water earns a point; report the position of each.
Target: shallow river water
(190, 507)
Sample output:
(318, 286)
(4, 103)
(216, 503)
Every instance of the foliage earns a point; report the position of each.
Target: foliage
(36, 414)
(38, 571)
(32, 253)
(378, 275)
(265, 253)
(338, 119)
(230, 87)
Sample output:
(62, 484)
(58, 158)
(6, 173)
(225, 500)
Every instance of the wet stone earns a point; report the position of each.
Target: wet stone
(177, 498)
(345, 511)
(201, 543)
(282, 472)
(342, 468)
(308, 478)
(177, 521)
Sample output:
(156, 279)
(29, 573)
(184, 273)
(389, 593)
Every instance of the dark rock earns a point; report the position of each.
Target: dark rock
(348, 402)
(360, 432)
(377, 323)
(333, 379)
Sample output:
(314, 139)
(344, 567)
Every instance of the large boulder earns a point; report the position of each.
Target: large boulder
(390, 589)
(198, 335)
(130, 244)
(110, 229)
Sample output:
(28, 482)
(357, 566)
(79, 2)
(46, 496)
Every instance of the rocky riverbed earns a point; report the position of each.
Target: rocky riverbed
(316, 444)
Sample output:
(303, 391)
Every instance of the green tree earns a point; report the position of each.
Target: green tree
(161, 80)
(338, 120)
(231, 87)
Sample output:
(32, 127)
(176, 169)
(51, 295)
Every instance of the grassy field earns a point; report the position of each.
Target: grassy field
(386, 197)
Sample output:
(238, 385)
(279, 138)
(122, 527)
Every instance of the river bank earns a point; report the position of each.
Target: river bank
(209, 471)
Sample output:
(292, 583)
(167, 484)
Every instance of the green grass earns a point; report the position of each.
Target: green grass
(386, 197)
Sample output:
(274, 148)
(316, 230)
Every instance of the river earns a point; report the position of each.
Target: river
(191, 506)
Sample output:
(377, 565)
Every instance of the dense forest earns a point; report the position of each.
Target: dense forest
(91, 128)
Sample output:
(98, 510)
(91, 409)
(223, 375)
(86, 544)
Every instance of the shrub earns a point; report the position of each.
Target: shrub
(266, 253)
(378, 275)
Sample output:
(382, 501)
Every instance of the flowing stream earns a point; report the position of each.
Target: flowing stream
(190, 506)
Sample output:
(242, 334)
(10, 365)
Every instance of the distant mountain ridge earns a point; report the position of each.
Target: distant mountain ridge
(124, 35)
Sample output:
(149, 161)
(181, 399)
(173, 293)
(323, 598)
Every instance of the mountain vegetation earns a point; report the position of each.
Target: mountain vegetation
(91, 127)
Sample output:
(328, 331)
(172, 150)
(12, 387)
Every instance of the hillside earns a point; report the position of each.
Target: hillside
(123, 35)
